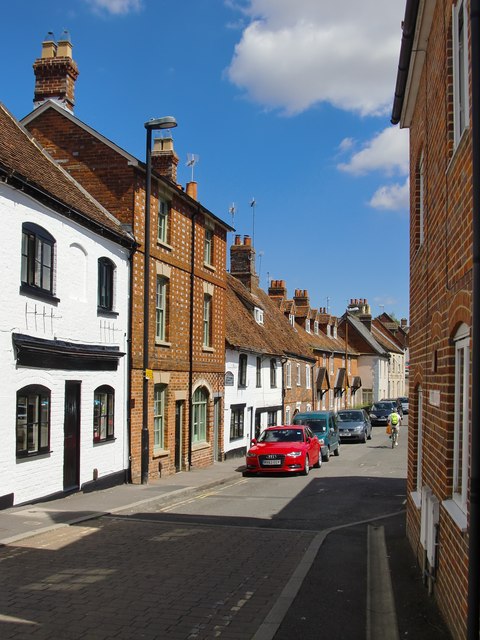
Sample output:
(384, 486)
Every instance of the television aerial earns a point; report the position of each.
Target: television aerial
(192, 160)
(232, 211)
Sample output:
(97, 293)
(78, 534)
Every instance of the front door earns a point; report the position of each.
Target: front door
(71, 436)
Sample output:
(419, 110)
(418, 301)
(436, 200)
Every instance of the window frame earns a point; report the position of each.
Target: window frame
(273, 373)
(159, 410)
(106, 282)
(161, 308)
(237, 422)
(242, 370)
(258, 372)
(460, 49)
(207, 320)
(208, 247)
(35, 240)
(461, 418)
(199, 415)
(163, 221)
(37, 428)
(288, 375)
(104, 421)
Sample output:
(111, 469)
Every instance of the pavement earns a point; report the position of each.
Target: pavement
(322, 588)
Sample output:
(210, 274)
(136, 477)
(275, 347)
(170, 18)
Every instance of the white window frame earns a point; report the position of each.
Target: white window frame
(288, 375)
(299, 375)
(159, 405)
(308, 376)
(207, 319)
(461, 106)
(161, 304)
(163, 220)
(307, 326)
(258, 313)
(461, 417)
(208, 247)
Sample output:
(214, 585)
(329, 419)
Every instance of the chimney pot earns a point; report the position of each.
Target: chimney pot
(247, 241)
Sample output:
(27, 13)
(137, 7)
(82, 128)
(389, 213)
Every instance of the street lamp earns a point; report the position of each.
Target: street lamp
(168, 122)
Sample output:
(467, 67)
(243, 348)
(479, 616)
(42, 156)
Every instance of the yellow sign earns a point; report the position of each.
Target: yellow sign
(149, 374)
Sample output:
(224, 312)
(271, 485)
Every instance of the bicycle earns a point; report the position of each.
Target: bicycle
(394, 436)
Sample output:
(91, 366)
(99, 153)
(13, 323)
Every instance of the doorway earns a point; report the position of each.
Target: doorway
(179, 408)
(71, 436)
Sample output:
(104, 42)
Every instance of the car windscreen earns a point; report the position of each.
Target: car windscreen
(382, 406)
(349, 416)
(281, 435)
(317, 425)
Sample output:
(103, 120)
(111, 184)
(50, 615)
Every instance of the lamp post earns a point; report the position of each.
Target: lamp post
(154, 124)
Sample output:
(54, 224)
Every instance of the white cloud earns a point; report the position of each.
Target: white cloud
(115, 7)
(393, 197)
(386, 152)
(294, 55)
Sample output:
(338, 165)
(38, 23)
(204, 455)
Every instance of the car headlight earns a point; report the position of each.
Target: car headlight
(295, 454)
(358, 428)
(321, 441)
(250, 454)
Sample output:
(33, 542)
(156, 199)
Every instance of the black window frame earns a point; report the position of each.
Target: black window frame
(36, 239)
(106, 280)
(110, 415)
(30, 427)
(273, 373)
(237, 422)
(242, 370)
(258, 376)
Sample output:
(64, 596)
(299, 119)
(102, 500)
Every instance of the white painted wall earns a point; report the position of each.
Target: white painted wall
(73, 319)
(252, 396)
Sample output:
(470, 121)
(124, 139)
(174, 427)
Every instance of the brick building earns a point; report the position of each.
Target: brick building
(433, 100)
(186, 341)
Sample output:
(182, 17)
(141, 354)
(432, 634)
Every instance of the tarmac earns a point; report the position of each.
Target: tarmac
(407, 611)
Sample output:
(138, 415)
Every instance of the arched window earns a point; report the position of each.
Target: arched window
(37, 257)
(106, 270)
(33, 421)
(199, 415)
(103, 414)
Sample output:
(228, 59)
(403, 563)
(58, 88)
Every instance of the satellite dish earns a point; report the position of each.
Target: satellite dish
(192, 159)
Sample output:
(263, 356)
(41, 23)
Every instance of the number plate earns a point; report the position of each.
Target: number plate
(271, 462)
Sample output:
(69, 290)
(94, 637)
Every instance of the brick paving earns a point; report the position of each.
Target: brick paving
(115, 578)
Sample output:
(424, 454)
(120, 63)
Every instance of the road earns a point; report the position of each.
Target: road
(263, 557)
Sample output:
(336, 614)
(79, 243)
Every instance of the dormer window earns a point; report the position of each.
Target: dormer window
(258, 314)
(291, 319)
(335, 331)
(329, 331)
(315, 327)
(307, 326)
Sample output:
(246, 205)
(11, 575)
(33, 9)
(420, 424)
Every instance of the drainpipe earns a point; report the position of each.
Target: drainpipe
(129, 367)
(474, 525)
(190, 366)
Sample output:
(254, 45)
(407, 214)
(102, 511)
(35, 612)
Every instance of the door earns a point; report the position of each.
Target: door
(71, 436)
(178, 434)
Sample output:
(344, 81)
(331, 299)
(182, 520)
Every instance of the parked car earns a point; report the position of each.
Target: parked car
(284, 448)
(354, 424)
(396, 403)
(379, 412)
(404, 402)
(324, 425)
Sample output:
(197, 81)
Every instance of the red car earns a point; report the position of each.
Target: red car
(293, 448)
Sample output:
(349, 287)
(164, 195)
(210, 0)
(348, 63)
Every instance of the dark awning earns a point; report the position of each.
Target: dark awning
(58, 354)
(323, 382)
(356, 382)
(341, 381)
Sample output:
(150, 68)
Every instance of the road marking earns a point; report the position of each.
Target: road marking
(381, 614)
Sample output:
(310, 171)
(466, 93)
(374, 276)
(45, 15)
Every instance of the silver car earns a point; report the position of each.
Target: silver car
(354, 425)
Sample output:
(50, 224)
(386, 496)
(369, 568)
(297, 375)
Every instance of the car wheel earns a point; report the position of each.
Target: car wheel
(326, 457)
(319, 461)
(306, 468)
(337, 450)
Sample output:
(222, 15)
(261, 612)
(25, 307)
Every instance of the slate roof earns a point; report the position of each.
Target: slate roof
(275, 337)
(28, 166)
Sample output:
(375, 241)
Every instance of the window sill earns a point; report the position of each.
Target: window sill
(208, 349)
(29, 456)
(162, 343)
(107, 313)
(160, 453)
(41, 294)
(200, 445)
(209, 266)
(164, 245)
(456, 514)
(97, 443)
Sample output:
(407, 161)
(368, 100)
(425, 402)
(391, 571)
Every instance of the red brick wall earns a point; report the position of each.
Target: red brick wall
(440, 286)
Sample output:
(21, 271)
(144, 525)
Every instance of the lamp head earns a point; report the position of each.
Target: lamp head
(167, 122)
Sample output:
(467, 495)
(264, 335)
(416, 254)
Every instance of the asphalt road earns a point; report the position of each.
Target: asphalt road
(267, 557)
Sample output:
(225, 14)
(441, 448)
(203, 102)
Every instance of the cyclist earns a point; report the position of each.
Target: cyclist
(394, 420)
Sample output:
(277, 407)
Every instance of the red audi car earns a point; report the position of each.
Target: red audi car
(293, 448)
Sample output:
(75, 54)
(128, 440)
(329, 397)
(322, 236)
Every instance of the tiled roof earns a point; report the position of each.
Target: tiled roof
(24, 160)
(367, 336)
(274, 337)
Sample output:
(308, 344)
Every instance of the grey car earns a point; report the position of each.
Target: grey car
(354, 425)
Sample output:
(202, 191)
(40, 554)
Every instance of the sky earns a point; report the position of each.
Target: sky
(284, 103)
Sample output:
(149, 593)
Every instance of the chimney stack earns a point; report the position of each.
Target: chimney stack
(192, 190)
(242, 262)
(164, 158)
(277, 289)
(55, 72)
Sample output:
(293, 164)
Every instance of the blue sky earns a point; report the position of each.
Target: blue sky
(287, 102)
